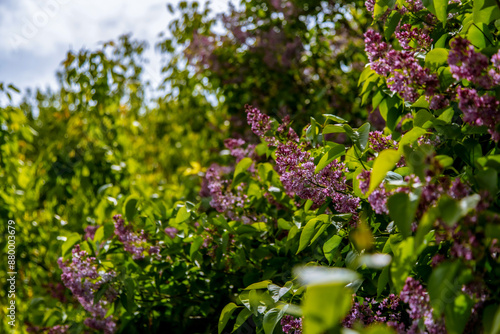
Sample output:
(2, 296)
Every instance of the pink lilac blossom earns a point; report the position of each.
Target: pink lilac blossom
(439, 101)
(291, 325)
(406, 34)
(236, 149)
(465, 63)
(480, 110)
(82, 278)
(297, 173)
(414, 5)
(171, 232)
(371, 311)
(378, 197)
(378, 141)
(405, 75)
(259, 122)
(223, 199)
(90, 232)
(495, 71)
(419, 307)
(135, 244)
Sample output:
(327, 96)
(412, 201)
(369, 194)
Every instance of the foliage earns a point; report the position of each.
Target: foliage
(340, 228)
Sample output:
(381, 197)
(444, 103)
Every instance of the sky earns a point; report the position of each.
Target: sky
(35, 35)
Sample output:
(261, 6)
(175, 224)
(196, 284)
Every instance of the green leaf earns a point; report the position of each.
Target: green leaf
(436, 58)
(457, 313)
(131, 207)
(332, 244)
(307, 233)
(363, 134)
(182, 215)
(259, 285)
(441, 7)
(241, 318)
(225, 315)
(320, 312)
(382, 281)
(479, 35)
(391, 23)
(443, 285)
(333, 128)
(403, 261)
(402, 208)
(485, 11)
(271, 318)
(488, 179)
(384, 163)
(491, 319)
(195, 246)
(130, 293)
(411, 136)
(67, 246)
(333, 153)
(445, 161)
(102, 290)
(335, 118)
(242, 166)
(381, 6)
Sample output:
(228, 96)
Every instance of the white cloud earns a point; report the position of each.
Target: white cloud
(36, 34)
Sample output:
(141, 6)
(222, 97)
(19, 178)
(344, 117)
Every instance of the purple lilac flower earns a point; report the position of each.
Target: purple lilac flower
(223, 199)
(379, 142)
(135, 244)
(370, 5)
(297, 170)
(480, 110)
(495, 71)
(236, 149)
(82, 278)
(378, 197)
(414, 5)
(259, 122)
(419, 307)
(371, 311)
(405, 75)
(90, 232)
(465, 63)
(171, 232)
(406, 34)
(291, 325)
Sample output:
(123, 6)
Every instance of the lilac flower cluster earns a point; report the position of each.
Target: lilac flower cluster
(378, 197)
(259, 122)
(291, 325)
(171, 232)
(236, 149)
(466, 63)
(82, 278)
(419, 308)
(406, 34)
(223, 199)
(135, 244)
(405, 75)
(480, 110)
(370, 311)
(297, 170)
(432, 189)
(378, 142)
(414, 5)
(90, 232)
